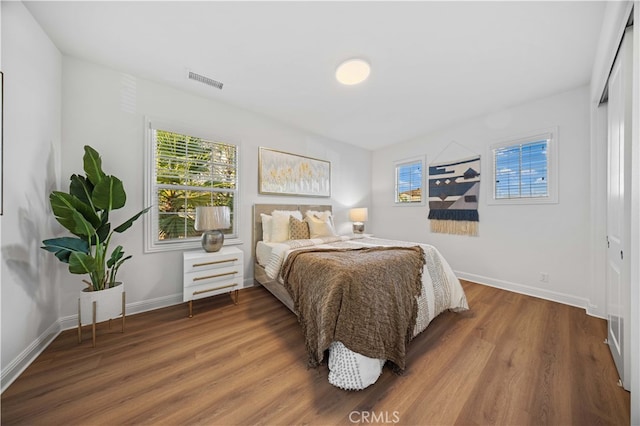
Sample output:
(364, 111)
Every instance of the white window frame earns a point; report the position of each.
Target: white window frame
(551, 135)
(423, 189)
(152, 243)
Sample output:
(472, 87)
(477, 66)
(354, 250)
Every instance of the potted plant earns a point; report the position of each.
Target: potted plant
(85, 211)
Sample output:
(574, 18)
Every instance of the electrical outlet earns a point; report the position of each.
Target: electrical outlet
(544, 277)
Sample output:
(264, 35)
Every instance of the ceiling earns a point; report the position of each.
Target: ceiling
(433, 63)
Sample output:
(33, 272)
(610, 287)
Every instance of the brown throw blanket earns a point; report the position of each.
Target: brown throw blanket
(364, 298)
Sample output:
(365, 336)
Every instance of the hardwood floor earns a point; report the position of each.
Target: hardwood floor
(510, 360)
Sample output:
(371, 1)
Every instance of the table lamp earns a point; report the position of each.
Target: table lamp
(210, 220)
(358, 217)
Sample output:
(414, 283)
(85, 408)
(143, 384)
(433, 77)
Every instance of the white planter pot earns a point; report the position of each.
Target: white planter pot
(98, 306)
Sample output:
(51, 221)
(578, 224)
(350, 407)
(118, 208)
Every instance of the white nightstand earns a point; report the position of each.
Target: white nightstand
(210, 274)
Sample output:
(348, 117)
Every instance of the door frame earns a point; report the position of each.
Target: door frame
(615, 19)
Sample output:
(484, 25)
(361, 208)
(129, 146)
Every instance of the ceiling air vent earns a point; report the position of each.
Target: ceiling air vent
(206, 80)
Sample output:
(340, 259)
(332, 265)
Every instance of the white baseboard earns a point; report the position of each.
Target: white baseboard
(596, 311)
(71, 321)
(27, 356)
(540, 293)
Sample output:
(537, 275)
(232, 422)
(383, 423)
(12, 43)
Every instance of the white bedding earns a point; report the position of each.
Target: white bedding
(441, 291)
(263, 252)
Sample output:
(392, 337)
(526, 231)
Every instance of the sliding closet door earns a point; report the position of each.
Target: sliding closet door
(619, 209)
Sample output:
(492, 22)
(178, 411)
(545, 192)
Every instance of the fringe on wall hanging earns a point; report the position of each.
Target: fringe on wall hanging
(454, 189)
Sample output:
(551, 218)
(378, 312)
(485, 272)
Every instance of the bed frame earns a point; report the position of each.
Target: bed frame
(259, 274)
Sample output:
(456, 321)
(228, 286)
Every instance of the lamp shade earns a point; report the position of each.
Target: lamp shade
(359, 214)
(212, 217)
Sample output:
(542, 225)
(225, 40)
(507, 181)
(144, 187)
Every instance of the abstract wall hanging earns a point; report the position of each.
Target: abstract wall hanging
(281, 173)
(454, 188)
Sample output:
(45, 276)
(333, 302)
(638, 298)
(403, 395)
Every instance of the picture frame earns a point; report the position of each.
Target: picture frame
(283, 173)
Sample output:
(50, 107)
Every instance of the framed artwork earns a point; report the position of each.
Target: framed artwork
(282, 173)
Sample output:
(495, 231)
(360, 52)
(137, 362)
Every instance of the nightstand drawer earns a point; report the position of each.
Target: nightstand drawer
(212, 276)
(223, 261)
(211, 289)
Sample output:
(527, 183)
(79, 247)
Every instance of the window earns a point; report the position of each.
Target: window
(524, 170)
(409, 182)
(185, 171)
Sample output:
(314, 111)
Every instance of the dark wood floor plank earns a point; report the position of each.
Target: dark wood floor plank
(510, 359)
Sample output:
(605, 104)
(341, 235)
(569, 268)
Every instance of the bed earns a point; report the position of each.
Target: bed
(357, 347)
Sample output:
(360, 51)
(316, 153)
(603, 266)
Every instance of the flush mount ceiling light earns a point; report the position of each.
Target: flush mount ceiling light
(353, 71)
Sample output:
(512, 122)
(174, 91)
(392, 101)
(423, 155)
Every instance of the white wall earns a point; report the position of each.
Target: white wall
(516, 242)
(32, 93)
(106, 109)
(635, 227)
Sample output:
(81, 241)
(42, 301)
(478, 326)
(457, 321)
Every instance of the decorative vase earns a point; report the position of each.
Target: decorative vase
(98, 306)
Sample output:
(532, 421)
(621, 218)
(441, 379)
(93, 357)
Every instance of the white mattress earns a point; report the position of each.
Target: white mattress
(263, 252)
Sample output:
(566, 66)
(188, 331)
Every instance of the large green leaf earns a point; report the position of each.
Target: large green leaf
(122, 261)
(81, 188)
(102, 233)
(63, 209)
(126, 225)
(115, 256)
(92, 165)
(63, 247)
(81, 263)
(115, 262)
(63, 255)
(66, 243)
(109, 194)
(66, 206)
(83, 228)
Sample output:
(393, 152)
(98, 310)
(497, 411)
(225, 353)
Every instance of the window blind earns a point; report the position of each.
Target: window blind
(521, 170)
(190, 172)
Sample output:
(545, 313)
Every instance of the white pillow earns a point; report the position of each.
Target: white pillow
(266, 227)
(280, 224)
(322, 215)
(319, 227)
(325, 215)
